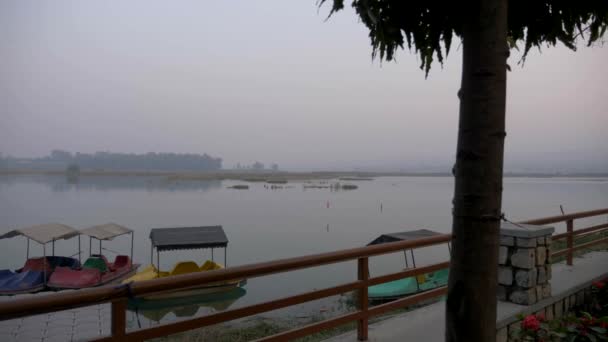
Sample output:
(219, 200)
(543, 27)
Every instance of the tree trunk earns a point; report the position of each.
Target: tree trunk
(471, 303)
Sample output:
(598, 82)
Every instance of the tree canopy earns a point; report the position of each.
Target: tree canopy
(429, 27)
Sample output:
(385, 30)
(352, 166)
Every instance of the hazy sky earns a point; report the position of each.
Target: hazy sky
(268, 80)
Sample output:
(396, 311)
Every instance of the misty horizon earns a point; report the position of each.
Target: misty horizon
(364, 166)
(307, 96)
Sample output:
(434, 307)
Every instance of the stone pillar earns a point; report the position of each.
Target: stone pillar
(524, 263)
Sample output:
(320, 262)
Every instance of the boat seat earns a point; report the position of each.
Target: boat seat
(442, 274)
(35, 264)
(210, 266)
(184, 267)
(5, 273)
(60, 261)
(121, 261)
(96, 263)
(108, 264)
(421, 278)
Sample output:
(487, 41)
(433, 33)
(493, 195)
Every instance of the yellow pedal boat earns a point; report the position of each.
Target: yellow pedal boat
(164, 239)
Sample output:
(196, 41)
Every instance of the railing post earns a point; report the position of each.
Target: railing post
(119, 319)
(569, 241)
(363, 274)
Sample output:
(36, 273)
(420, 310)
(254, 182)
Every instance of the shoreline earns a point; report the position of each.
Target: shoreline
(273, 175)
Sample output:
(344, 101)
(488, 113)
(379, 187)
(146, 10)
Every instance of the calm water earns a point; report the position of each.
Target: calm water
(264, 224)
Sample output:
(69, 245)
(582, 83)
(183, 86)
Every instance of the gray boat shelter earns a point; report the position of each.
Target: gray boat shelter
(167, 239)
(406, 236)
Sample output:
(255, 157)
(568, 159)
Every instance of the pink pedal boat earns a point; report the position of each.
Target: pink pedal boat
(96, 270)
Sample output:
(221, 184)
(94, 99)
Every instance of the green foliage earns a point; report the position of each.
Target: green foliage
(429, 26)
(583, 326)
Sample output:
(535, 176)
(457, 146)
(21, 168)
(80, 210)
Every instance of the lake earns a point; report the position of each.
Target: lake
(264, 224)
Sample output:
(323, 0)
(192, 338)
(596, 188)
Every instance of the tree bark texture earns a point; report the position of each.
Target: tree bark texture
(471, 303)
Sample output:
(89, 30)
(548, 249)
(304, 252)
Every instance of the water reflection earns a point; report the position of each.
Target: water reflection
(157, 310)
(105, 183)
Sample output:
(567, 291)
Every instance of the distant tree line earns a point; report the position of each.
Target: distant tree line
(257, 166)
(59, 159)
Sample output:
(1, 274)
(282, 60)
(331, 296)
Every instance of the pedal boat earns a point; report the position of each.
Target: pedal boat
(411, 285)
(33, 276)
(96, 270)
(166, 239)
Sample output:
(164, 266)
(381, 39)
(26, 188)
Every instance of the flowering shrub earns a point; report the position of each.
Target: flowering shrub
(600, 298)
(531, 323)
(569, 328)
(586, 326)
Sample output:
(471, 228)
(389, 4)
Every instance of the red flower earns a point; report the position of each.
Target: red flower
(530, 323)
(599, 284)
(540, 317)
(604, 325)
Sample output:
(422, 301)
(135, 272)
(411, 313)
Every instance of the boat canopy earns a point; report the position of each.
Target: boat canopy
(165, 239)
(402, 236)
(43, 233)
(106, 231)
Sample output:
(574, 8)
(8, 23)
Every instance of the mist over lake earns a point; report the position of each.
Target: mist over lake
(265, 224)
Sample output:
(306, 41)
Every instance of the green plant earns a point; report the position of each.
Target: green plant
(585, 326)
(599, 306)
(572, 328)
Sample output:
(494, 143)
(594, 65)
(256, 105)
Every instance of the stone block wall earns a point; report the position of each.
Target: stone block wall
(524, 263)
(556, 308)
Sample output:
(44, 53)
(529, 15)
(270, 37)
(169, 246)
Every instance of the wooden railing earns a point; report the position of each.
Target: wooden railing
(571, 233)
(119, 295)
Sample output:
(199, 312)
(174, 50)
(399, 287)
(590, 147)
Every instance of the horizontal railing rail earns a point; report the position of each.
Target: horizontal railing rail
(571, 233)
(119, 295)
(40, 304)
(567, 217)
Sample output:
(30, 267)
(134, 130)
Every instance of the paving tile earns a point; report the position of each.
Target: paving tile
(26, 336)
(58, 337)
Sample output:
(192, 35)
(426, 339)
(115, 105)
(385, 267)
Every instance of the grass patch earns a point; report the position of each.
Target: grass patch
(227, 333)
(257, 328)
(560, 244)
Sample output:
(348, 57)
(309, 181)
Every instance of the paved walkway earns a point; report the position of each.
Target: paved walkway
(428, 323)
(424, 324)
(71, 325)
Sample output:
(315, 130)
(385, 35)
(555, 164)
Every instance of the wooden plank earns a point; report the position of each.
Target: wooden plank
(278, 266)
(564, 218)
(363, 275)
(582, 231)
(590, 244)
(172, 328)
(569, 241)
(589, 230)
(559, 253)
(340, 320)
(407, 301)
(44, 304)
(59, 301)
(313, 328)
(408, 273)
(119, 319)
(228, 315)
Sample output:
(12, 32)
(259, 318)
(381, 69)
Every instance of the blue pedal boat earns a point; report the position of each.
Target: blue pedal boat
(33, 276)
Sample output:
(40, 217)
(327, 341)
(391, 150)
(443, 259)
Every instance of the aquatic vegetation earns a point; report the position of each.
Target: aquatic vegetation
(239, 187)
